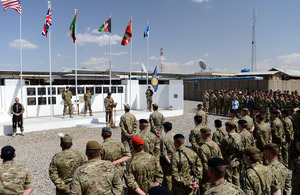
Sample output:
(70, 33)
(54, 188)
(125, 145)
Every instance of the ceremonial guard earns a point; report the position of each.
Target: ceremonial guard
(149, 94)
(67, 97)
(108, 101)
(17, 110)
(87, 102)
(157, 120)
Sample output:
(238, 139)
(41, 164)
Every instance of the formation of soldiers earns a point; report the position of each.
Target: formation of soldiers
(255, 153)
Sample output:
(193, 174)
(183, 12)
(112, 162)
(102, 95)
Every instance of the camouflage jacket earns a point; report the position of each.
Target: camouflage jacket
(156, 121)
(63, 166)
(14, 178)
(195, 138)
(151, 143)
(249, 121)
(262, 135)
(168, 147)
(142, 171)
(224, 188)
(149, 94)
(277, 131)
(128, 124)
(204, 117)
(96, 177)
(231, 146)
(87, 97)
(67, 96)
(107, 102)
(218, 135)
(247, 138)
(236, 120)
(288, 129)
(296, 176)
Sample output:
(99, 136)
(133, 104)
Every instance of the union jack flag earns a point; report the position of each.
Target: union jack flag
(48, 21)
(13, 4)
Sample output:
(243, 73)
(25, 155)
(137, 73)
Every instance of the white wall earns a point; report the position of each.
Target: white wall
(176, 89)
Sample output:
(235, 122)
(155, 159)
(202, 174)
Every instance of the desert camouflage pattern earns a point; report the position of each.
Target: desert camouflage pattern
(218, 135)
(156, 120)
(224, 188)
(151, 143)
(247, 138)
(195, 138)
(128, 125)
(204, 117)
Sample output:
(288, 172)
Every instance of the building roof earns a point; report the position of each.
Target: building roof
(292, 73)
(263, 73)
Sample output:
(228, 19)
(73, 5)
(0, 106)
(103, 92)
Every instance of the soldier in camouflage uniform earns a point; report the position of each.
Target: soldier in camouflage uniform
(227, 103)
(202, 114)
(281, 175)
(157, 120)
(257, 178)
(17, 111)
(231, 147)
(234, 119)
(255, 113)
(114, 151)
(67, 97)
(205, 99)
(108, 101)
(262, 133)
(168, 149)
(209, 149)
(152, 142)
(265, 107)
(195, 135)
(278, 135)
(220, 102)
(149, 94)
(289, 134)
(296, 171)
(246, 117)
(14, 178)
(96, 176)
(213, 103)
(186, 169)
(64, 164)
(220, 133)
(143, 170)
(216, 172)
(247, 138)
(87, 102)
(128, 125)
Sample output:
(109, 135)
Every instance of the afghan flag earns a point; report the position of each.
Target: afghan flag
(127, 35)
(73, 28)
(106, 26)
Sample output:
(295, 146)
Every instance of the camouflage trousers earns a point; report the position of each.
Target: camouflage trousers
(205, 106)
(213, 108)
(167, 170)
(182, 190)
(149, 104)
(108, 116)
(87, 105)
(233, 175)
(126, 142)
(285, 154)
(219, 109)
(226, 109)
(68, 104)
(296, 184)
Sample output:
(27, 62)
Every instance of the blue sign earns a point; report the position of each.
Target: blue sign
(196, 86)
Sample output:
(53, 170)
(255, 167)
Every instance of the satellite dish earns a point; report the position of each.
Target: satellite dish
(144, 68)
(202, 65)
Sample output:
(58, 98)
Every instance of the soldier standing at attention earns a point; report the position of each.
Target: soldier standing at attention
(17, 110)
(96, 176)
(262, 133)
(149, 94)
(195, 135)
(186, 169)
(203, 114)
(246, 117)
(108, 101)
(227, 103)
(129, 126)
(14, 178)
(247, 138)
(296, 171)
(64, 164)
(67, 97)
(87, 102)
(220, 133)
(289, 135)
(157, 120)
(205, 99)
(114, 151)
(143, 170)
(216, 173)
(234, 119)
(278, 135)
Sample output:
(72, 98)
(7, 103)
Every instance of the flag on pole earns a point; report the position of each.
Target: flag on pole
(106, 26)
(127, 35)
(154, 80)
(73, 28)
(146, 33)
(48, 20)
(13, 4)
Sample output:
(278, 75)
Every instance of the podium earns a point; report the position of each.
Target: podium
(112, 106)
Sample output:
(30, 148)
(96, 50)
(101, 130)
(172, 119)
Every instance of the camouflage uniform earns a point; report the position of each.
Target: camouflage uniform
(87, 103)
(183, 161)
(62, 168)
(209, 149)
(128, 125)
(278, 135)
(220, 102)
(262, 135)
(142, 171)
(205, 99)
(296, 176)
(236, 122)
(289, 133)
(224, 188)
(213, 103)
(17, 121)
(247, 138)
(204, 117)
(108, 109)
(149, 94)
(195, 138)
(156, 122)
(112, 151)
(265, 109)
(281, 177)
(249, 121)
(151, 143)
(218, 136)
(14, 178)
(231, 146)
(226, 106)
(167, 149)
(67, 97)
(96, 177)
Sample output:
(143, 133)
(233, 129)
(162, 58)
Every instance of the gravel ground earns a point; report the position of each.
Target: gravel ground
(36, 149)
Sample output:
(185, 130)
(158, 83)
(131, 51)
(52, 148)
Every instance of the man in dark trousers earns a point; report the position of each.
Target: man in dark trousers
(17, 111)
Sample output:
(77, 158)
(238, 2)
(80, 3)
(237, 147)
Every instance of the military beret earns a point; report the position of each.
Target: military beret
(87, 88)
(275, 112)
(205, 130)
(167, 125)
(137, 141)
(245, 109)
(258, 116)
(251, 151)
(126, 106)
(143, 121)
(230, 124)
(271, 146)
(155, 105)
(7, 150)
(199, 105)
(106, 129)
(197, 117)
(240, 122)
(215, 162)
(276, 105)
(67, 87)
(233, 111)
(66, 139)
(285, 112)
(109, 93)
(159, 190)
(177, 136)
(289, 106)
(93, 145)
(256, 108)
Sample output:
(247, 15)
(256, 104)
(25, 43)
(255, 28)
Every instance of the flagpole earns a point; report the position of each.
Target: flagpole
(147, 54)
(110, 60)
(130, 65)
(50, 74)
(21, 60)
(76, 90)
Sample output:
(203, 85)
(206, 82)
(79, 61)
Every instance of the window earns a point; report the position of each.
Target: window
(113, 89)
(105, 89)
(120, 89)
(98, 89)
(31, 91)
(91, 89)
(80, 90)
(53, 100)
(72, 89)
(53, 90)
(42, 91)
(60, 90)
(42, 101)
(31, 101)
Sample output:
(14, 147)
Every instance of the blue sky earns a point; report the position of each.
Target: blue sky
(219, 32)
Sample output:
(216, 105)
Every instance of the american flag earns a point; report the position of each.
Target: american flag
(48, 21)
(13, 4)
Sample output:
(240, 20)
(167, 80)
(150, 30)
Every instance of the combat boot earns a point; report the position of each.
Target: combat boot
(71, 116)
(84, 115)
(63, 117)
(14, 134)
(22, 131)
(91, 114)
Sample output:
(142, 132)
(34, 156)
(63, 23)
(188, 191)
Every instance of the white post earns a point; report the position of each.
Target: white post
(50, 75)
(110, 58)
(21, 60)
(130, 65)
(147, 55)
(76, 90)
